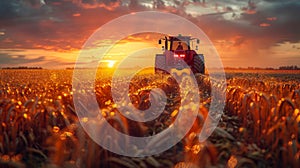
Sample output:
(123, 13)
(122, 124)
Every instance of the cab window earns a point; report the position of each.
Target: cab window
(176, 45)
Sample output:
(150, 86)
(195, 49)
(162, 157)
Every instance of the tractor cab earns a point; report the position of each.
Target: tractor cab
(177, 50)
(171, 43)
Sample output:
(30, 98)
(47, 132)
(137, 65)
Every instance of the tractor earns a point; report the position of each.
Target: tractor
(179, 55)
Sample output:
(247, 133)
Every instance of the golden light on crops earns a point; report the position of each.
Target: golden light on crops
(260, 112)
(25, 115)
(232, 162)
(196, 148)
(55, 129)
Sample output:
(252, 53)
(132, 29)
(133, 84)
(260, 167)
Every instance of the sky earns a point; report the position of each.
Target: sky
(50, 33)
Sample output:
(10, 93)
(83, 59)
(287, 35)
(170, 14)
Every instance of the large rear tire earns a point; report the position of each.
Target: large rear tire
(160, 63)
(198, 64)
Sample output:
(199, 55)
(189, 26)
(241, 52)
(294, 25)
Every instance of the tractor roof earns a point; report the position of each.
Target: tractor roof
(179, 38)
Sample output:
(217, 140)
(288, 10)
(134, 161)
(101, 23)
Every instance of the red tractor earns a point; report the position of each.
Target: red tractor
(179, 55)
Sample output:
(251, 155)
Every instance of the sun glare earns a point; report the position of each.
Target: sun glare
(110, 64)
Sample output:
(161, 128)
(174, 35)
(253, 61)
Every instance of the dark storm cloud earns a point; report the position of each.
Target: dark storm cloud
(45, 20)
(280, 18)
(10, 9)
(287, 23)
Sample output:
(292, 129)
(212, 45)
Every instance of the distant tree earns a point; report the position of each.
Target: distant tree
(292, 67)
(22, 67)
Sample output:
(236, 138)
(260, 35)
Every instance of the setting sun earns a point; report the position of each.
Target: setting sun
(110, 64)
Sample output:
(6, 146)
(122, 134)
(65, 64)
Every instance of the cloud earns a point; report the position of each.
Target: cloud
(264, 25)
(110, 5)
(36, 57)
(51, 27)
(22, 9)
(8, 9)
(8, 59)
(240, 41)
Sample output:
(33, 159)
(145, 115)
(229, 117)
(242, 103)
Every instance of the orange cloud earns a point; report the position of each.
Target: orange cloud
(264, 25)
(271, 18)
(250, 11)
(76, 14)
(109, 6)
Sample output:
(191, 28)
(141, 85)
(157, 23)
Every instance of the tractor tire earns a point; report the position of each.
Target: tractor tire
(198, 64)
(160, 63)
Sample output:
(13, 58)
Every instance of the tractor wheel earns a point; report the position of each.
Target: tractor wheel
(160, 63)
(198, 64)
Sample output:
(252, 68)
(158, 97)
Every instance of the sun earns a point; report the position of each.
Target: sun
(110, 64)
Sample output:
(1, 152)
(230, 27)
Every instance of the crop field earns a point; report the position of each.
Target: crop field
(259, 127)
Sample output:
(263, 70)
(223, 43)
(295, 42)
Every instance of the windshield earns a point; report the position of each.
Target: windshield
(179, 45)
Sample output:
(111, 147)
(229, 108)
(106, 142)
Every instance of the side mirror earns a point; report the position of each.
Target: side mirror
(159, 41)
(198, 41)
(196, 47)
